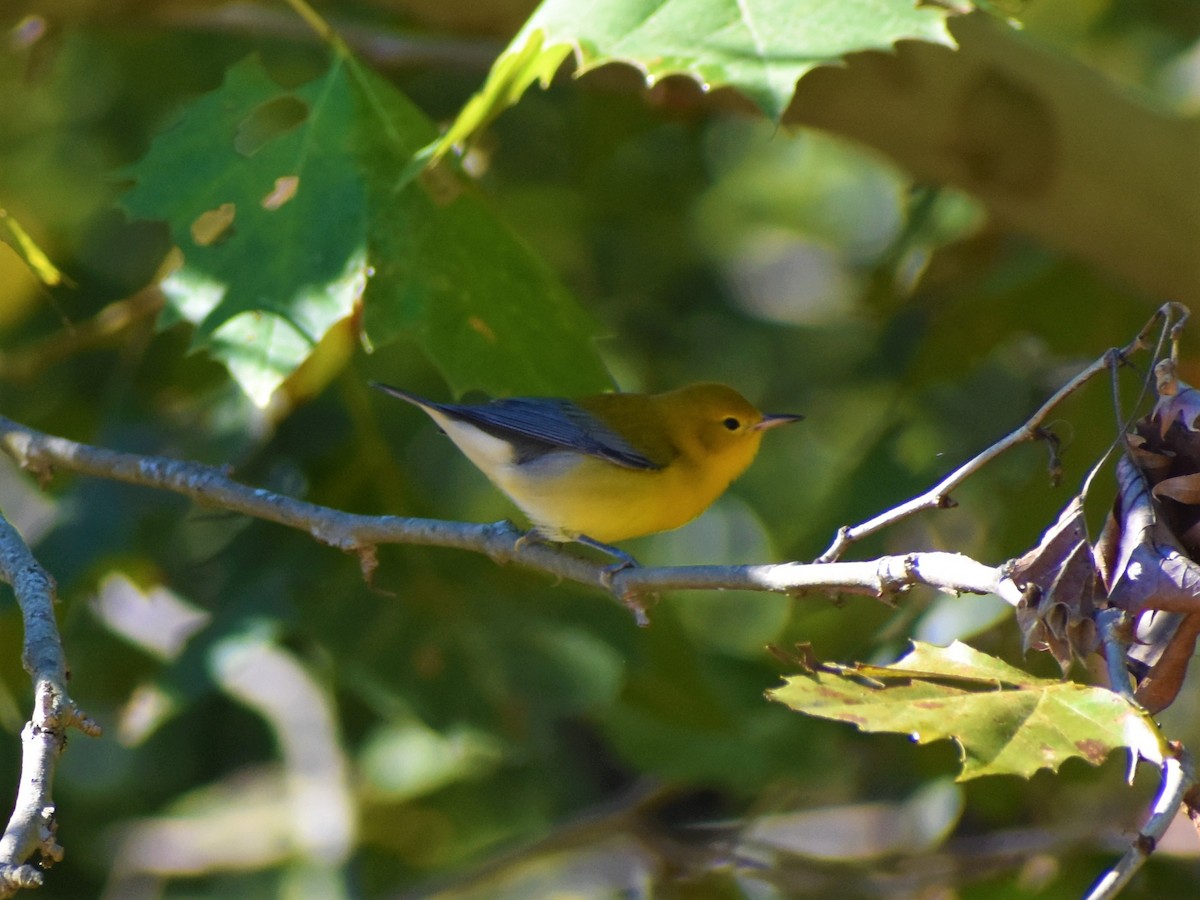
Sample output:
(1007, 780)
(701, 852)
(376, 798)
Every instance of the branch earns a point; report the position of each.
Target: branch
(32, 826)
(938, 496)
(1178, 777)
(502, 541)
(108, 324)
(383, 47)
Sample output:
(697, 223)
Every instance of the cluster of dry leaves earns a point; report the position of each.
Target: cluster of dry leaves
(1144, 562)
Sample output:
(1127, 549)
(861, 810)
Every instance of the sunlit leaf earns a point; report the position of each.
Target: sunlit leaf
(1004, 721)
(448, 274)
(758, 47)
(13, 234)
(290, 211)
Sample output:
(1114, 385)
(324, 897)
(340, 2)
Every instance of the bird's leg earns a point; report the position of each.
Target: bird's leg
(623, 559)
(632, 600)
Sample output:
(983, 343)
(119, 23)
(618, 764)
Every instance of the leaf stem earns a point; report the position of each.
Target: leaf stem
(314, 21)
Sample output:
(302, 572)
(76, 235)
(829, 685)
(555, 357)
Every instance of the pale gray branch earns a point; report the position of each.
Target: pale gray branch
(502, 541)
(31, 829)
(1178, 776)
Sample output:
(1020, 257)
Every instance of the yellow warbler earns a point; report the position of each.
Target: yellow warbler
(610, 466)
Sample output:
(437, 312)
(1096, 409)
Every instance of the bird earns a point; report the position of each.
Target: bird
(607, 467)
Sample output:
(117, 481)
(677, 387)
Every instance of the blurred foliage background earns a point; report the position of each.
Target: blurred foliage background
(277, 727)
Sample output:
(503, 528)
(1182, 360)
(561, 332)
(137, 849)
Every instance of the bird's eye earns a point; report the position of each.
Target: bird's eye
(731, 423)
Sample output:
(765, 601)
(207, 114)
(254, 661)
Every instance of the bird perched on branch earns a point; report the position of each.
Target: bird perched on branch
(608, 467)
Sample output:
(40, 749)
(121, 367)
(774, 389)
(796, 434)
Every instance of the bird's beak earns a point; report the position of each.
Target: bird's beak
(773, 420)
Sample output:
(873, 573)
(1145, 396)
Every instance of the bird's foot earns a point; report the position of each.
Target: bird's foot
(635, 601)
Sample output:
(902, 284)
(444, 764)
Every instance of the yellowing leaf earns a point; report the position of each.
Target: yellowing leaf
(39, 263)
(1004, 721)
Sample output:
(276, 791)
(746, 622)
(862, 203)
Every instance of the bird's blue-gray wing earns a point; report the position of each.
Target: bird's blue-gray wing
(538, 425)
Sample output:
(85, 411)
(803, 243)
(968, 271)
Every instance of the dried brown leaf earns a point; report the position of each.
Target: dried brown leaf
(1190, 539)
(1177, 400)
(1058, 581)
(1150, 461)
(1183, 488)
(1158, 689)
(1042, 564)
(1147, 570)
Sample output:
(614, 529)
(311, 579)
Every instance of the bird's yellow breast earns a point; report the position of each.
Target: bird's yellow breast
(567, 494)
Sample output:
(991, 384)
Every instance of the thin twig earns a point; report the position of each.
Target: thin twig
(502, 541)
(28, 362)
(31, 829)
(1178, 776)
(938, 496)
(382, 46)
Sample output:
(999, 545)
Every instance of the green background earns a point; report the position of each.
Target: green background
(1010, 210)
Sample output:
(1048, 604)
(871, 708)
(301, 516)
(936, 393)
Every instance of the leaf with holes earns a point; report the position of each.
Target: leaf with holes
(1004, 721)
(262, 282)
(290, 212)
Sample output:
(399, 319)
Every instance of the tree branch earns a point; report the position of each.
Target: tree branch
(938, 496)
(1178, 777)
(31, 829)
(502, 541)
(109, 324)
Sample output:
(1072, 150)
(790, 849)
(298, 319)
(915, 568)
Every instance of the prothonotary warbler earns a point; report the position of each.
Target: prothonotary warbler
(608, 467)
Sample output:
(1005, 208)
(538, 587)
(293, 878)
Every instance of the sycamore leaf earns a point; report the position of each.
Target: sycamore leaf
(1004, 721)
(1042, 564)
(758, 47)
(1165, 447)
(1154, 461)
(448, 274)
(1146, 553)
(291, 214)
(262, 286)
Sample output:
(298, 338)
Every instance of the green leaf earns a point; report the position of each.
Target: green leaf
(291, 208)
(262, 280)
(759, 47)
(488, 311)
(1004, 721)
